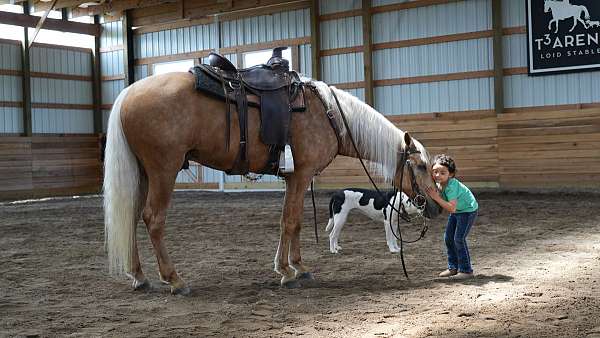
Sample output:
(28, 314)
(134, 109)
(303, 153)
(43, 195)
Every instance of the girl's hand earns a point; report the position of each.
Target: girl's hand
(433, 193)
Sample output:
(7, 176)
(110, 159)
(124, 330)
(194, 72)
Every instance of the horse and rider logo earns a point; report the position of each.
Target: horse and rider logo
(563, 35)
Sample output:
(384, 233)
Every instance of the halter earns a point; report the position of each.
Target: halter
(404, 160)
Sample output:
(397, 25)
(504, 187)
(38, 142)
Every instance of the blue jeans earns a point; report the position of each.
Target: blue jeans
(457, 229)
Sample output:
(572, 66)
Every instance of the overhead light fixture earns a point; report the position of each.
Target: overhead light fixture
(88, 4)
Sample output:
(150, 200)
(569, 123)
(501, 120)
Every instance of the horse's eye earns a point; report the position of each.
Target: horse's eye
(422, 167)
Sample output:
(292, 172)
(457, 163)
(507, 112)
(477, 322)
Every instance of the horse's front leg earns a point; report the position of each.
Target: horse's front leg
(288, 251)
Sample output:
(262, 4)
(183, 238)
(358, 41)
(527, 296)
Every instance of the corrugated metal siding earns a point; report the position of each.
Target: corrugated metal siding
(513, 13)
(175, 41)
(526, 91)
(441, 58)
(11, 88)
(111, 63)
(334, 6)
(343, 68)
(265, 28)
(10, 56)
(422, 22)
(112, 34)
(514, 50)
(305, 62)
(11, 120)
(346, 32)
(62, 121)
(140, 72)
(105, 115)
(110, 90)
(61, 91)
(358, 92)
(445, 96)
(60, 61)
(389, 2)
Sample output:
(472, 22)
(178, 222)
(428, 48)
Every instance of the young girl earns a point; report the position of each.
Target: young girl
(459, 201)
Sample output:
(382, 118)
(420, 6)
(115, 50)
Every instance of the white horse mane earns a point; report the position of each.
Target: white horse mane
(378, 140)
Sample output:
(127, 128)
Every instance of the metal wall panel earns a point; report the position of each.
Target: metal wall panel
(111, 63)
(514, 50)
(60, 61)
(62, 121)
(527, 91)
(334, 6)
(305, 62)
(265, 28)
(175, 41)
(513, 13)
(343, 68)
(445, 96)
(140, 72)
(358, 92)
(11, 120)
(11, 88)
(441, 58)
(10, 56)
(422, 22)
(110, 90)
(346, 32)
(105, 115)
(112, 34)
(375, 3)
(61, 91)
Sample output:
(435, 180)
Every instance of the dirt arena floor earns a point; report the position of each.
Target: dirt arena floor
(536, 259)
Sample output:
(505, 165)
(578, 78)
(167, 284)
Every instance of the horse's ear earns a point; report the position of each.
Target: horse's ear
(407, 140)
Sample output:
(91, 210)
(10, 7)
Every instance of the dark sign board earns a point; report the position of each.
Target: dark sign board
(563, 35)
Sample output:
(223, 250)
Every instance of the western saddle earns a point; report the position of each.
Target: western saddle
(272, 87)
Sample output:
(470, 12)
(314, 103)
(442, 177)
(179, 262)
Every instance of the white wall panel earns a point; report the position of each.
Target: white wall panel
(111, 63)
(334, 6)
(273, 27)
(375, 3)
(346, 32)
(444, 96)
(61, 91)
(527, 91)
(11, 88)
(513, 13)
(110, 90)
(441, 58)
(60, 61)
(62, 121)
(343, 68)
(175, 41)
(10, 56)
(305, 61)
(11, 120)
(358, 92)
(514, 50)
(422, 22)
(112, 34)
(140, 72)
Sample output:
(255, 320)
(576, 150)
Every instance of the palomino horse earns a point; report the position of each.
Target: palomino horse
(159, 121)
(562, 10)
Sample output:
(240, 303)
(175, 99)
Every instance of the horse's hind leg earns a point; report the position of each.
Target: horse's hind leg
(160, 190)
(139, 280)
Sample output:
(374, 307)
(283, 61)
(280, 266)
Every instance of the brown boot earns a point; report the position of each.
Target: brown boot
(448, 273)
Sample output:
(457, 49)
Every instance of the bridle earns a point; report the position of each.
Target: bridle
(401, 211)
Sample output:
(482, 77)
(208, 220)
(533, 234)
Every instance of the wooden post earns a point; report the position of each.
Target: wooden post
(26, 79)
(128, 59)
(96, 82)
(367, 51)
(315, 39)
(498, 58)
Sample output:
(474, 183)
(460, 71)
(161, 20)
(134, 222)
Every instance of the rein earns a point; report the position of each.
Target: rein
(402, 212)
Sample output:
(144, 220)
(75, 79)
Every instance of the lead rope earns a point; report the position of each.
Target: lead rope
(373, 182)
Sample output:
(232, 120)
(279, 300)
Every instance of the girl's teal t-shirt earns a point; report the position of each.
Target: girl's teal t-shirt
(465, 201)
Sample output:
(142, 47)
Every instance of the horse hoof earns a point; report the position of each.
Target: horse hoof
(141, 285)
(306, 276)
(291, 284)
(185, 291)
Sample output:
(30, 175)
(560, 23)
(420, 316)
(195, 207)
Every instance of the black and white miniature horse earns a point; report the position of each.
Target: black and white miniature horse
(370, 203)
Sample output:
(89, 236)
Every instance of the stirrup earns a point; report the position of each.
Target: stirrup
(286, 160)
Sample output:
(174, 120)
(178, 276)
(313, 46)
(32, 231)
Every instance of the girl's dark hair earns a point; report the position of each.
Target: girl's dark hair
(446, 161)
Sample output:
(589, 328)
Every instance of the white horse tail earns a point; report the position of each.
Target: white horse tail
(587, 14)
(121, 193)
